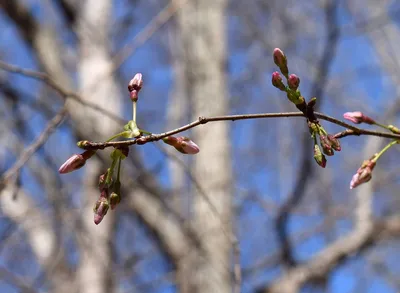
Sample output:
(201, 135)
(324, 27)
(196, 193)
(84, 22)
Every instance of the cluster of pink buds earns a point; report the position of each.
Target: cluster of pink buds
(109, 182)
(328, 142)
(293, 81)
(364, 173)
(182, 144)
(106, 200)
(102, 204)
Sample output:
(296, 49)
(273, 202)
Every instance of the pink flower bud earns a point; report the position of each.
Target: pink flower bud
(277, 81)
(100, 209)
(189, 147)
(335, 143)
(281, 61)
(326, 146)
(363, 175)
(293, 81)
(358, 117)
(75, 162)
(182, 144)
(134, 86)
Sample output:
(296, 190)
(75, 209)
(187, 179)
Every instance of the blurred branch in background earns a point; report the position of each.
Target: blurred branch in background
(249, 212)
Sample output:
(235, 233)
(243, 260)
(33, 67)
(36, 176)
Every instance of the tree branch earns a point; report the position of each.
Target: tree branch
(203, 120)
(30, 150)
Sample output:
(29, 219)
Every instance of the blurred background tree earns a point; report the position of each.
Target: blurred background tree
(252, 201)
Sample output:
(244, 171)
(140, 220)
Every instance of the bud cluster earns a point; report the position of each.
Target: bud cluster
(106, 199)
(293, 81)
(327, 142)
(109, 182)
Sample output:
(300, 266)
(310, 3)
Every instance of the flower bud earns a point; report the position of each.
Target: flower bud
(83, 143)
(293, 81)
(100, 209)
(277, 81)
(394, 129)
(319, 156)
(313, 127)
(363, 175)
(281, 61)
(182, 144)
(75, 162)
(326, 145)
(102, 181)
(335, 143)
(358, 117)
(189, 147)
(134, 86)
(115, 199)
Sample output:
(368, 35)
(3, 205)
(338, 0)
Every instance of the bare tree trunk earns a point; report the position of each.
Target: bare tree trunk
(177, 115)
(201, 26)
(97, 84)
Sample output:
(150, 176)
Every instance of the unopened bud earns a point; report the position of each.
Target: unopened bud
(281, 61)
(82, 144)
(293, 81)
(102, 181)
(394, 129)
(182, 144)
(335, 143)
(134, 86)
(363, 175)
(115, 199)
(358, 117)
(75, 162)
(319, 156)
(313, 127)
(100, 209)
(277, 81)
(326, 145)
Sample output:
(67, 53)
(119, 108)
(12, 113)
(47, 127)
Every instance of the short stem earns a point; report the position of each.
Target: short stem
(117, 135)
(134, 111)
(110, 172)
(382, 125)
(119, 168)
(145, 132)
(388, 146)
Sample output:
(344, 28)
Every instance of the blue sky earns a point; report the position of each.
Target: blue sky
(256, 174)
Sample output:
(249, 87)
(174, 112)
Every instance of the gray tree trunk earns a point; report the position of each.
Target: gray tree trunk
(201, 27)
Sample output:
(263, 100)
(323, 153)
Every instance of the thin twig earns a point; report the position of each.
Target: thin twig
(30, 150)
(59, 89)
(203, 120)
(156, 23)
